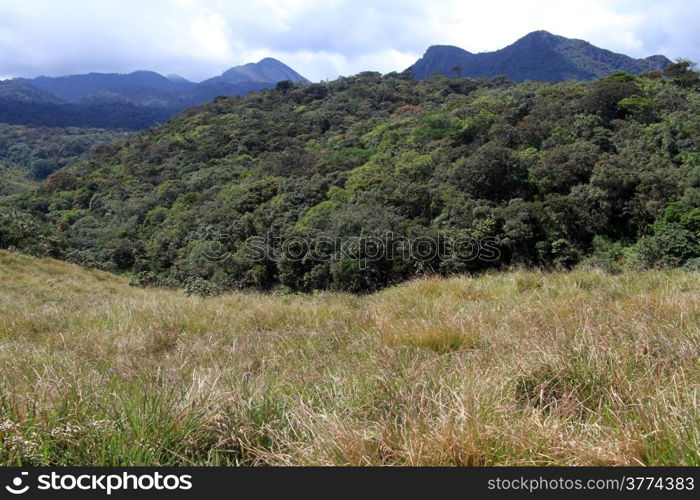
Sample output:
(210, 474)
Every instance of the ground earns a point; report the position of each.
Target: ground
(518, 367)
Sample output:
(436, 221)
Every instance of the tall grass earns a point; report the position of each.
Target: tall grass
(509, 368)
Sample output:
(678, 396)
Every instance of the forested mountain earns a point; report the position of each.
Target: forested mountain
(148, 88)
(112, 115)
(142, 99)
(133, 101)
(227, 194)
(538, 56)
(17, 91)
(29, 154)
(73, 88)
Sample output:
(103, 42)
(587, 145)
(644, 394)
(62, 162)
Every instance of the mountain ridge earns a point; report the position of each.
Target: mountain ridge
(135, 100)
(539, 55)
(23, 92)
(143, 98)
(77, 87)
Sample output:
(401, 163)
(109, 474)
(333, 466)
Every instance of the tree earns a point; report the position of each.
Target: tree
(284, 86)
(492, 173)
(682, 73)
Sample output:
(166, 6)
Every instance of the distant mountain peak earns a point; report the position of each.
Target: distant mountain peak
(541, 34)
(539, 55)
(268, 69)
(173, 77)
(445, 48)
(272, 60)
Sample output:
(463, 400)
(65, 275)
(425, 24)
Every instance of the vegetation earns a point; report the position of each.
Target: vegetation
(508, 368)
(222, 196)
(121, 115)
(590, 366)
(29, 154)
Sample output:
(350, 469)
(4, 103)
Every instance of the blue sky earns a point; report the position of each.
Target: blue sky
(321, 39)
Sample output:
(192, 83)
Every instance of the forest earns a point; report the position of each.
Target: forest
(30, 154)
(251, 192)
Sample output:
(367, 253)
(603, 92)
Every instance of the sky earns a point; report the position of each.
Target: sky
(321, 39)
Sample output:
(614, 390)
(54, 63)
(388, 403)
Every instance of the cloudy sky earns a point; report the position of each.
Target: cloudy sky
(321, 39)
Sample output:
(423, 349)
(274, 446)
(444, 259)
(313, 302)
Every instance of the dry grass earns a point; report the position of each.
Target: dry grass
(510, 368)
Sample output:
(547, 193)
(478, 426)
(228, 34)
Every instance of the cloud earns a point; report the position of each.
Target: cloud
(320, 39)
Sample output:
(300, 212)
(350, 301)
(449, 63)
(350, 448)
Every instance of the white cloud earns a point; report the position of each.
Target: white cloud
(319, 38)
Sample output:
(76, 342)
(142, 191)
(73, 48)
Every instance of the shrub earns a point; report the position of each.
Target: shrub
(670, 246)
(201, 287)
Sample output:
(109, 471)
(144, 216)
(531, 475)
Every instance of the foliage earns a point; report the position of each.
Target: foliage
(100, 115)
(30, 154)
(226, 192)
(675, 240)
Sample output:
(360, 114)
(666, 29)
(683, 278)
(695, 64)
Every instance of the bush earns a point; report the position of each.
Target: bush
(670, 246)
(201, 287)
(692, 264)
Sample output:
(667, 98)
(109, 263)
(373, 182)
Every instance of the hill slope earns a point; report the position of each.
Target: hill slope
(73, 88)
(538, 56)
(15, 90)
(285, 187)
(95, 372)
(29, 154)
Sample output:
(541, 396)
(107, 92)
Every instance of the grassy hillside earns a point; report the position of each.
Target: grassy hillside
(508, 368)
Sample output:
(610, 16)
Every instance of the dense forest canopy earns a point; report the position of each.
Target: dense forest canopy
(224, 195)
(29, 154)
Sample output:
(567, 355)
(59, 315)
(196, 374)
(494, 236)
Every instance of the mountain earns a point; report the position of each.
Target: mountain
(177, 78)
(152, 89)
(29, 154)
(264, 71)
(207, 91)
(538, 56)
(73, 88)
(15, 90)
(119, 115)
(240, 80)
(277, 188)
(136, 100)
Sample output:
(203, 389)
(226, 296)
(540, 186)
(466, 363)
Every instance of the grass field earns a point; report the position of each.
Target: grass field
(509, 368)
